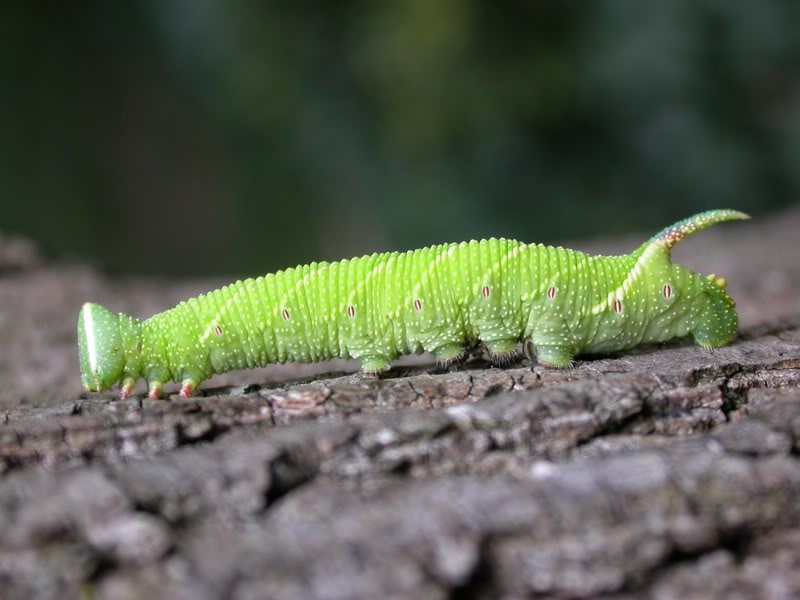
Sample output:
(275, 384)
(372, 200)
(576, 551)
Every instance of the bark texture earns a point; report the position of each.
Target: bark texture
(667, 472)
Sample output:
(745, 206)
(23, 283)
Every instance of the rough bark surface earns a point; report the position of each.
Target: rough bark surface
(667, 472)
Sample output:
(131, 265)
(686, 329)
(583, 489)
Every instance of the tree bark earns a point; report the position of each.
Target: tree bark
(666, 472)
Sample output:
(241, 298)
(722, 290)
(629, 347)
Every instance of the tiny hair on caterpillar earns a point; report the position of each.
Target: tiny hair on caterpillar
(443, 299)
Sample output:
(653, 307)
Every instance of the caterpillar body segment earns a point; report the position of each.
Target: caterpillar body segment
(442, 299)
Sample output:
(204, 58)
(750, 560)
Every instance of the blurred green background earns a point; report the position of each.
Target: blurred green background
(210, 136)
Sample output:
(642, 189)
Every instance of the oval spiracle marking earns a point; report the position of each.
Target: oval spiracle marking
(485, 292)
(417, 304)
(618, 306)
(218, 330)
(667, 291)
(351, 311)
(285, 314)
(551, 292)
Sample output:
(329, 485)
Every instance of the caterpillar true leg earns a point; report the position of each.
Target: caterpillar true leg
(187, 388)
(154, 389)
(127, 387)
(190, 381)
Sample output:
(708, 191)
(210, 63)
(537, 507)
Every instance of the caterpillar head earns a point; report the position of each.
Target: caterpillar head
(101, 352)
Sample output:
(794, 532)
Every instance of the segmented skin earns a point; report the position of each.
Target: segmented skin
(442, 299)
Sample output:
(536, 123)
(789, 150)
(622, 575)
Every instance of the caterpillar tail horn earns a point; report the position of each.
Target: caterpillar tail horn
(669, 237)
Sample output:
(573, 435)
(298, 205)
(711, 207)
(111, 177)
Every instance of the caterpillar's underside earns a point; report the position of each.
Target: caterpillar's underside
(441, 299)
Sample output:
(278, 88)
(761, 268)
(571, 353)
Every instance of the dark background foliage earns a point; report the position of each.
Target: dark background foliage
(203, 136)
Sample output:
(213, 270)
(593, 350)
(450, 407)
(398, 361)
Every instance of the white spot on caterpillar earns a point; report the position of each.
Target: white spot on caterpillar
(91, 342)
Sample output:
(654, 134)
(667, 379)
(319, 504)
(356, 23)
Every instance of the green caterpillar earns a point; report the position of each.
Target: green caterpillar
(442, 299)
